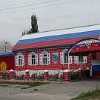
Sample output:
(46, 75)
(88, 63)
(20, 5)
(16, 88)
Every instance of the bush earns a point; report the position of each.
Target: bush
(74, 75)
(87, 73)
(39, 77)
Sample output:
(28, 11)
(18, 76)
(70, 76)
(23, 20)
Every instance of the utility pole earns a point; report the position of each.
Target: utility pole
(5, 48)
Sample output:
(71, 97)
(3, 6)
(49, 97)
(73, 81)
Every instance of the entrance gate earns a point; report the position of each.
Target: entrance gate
(92, 46)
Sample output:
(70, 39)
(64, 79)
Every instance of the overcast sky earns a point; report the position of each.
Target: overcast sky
(52, 14)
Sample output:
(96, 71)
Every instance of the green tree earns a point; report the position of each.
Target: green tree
(34, 26)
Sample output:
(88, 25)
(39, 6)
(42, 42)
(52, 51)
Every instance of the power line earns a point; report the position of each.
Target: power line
(44, 6)
(7, 8)
(16, 4)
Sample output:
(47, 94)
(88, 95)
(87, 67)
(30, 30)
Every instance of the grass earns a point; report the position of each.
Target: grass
(90, 95)
(23, 82)
(30, 86)
(3, 85)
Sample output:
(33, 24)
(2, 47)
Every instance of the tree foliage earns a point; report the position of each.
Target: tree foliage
(34, 26)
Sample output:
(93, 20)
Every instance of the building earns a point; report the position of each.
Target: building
(56, 51)
(7, 61)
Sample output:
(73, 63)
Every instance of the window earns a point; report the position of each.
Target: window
(19, 59)
(76, 59)
(33, 59)
(64, 57)
(80, 59)
(44, 58)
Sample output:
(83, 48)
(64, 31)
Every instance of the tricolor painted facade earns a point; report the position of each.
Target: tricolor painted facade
(56, 51)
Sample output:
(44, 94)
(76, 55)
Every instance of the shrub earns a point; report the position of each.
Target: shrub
(74, 75)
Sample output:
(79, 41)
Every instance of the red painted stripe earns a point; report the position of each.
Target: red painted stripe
(49, 43)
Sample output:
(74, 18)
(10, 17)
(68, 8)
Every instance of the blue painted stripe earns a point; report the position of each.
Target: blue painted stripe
(96, 68)
(60, 37)
(6, 53)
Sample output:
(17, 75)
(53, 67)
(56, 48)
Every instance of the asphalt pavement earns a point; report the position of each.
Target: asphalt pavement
(53, 91)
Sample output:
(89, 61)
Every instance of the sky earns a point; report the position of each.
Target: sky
(15, 15)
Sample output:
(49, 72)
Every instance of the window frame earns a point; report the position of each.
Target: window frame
(77, 59)
(80, 59)
(62, 57)
(33, 61)
(19, 59)
(44, 60)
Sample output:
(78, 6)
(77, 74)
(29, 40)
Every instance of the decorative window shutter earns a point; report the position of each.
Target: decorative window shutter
(61, 57)
(70, 59)
(36, 59)
(16, 60)
(41, 59)
(84, 59)
(76, 59)
(29, 59)
(48, 57)
(22, 60)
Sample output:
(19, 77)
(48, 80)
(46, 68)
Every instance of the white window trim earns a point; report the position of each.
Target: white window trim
(70, 60)
(76, 60)
(30, 59)
(85, 59)
(62, 57)
(17, 59)
(41, 58)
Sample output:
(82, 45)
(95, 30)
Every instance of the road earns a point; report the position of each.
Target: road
(54, 91)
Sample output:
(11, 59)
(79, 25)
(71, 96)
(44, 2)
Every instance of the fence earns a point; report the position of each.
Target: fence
(73, 75)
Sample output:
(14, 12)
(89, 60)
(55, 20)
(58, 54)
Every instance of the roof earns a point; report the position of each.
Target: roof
(6, 53)
(56, 38)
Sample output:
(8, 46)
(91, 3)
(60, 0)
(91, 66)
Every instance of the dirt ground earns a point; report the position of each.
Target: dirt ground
(53, 91)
